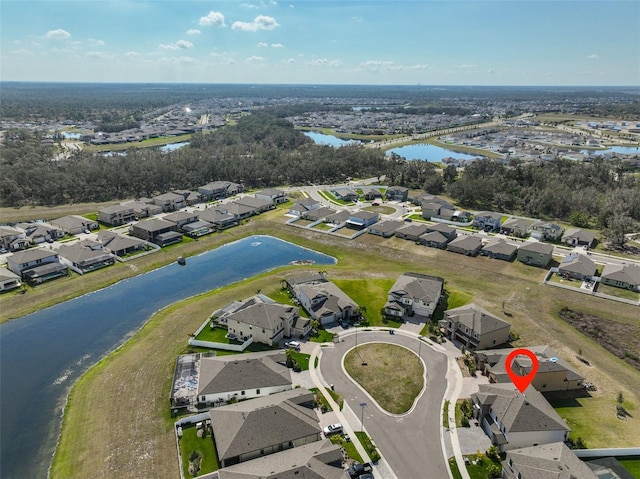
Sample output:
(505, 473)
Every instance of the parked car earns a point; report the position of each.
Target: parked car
(293, 345)
(332, 429)
(360, 471)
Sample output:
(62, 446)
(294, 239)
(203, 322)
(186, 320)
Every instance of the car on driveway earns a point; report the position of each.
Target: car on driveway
(293, 345)
(360, 471)
(332, 429)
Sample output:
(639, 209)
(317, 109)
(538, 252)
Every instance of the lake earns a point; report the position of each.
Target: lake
(431, 153)
(322, 139)
(42, 354)
(623, 150)
(173, 146)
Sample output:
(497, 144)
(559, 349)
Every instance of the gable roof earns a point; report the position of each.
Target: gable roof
(413, 229)
(500, 246)
(578, 263)
(441, 228)
(387, 226)
(468, 243)
(625, 273)
(517, 224)
(476, 318)
(263, 315)
(537, 247)
(581, 235)
(427, 289)
(29, 255)
(154, 225)
(117, 242)
(71, 222)
(547, 461)
(180, 216)
(434, 237)
(79, 254)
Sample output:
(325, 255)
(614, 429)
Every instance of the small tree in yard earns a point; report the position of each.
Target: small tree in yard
(494, 471)
(493, 453)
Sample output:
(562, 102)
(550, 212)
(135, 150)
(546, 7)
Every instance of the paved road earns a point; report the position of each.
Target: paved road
(411, 444)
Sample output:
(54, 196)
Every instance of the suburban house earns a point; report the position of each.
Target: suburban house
(577, 266)
(317, 460)
(198, 228)
(411, 231)
(338, 217)
(74, 224)
(514, 420)
(554, 373)
(437, 208)
(225, 378)
(36, 265)
(553, 460)
(266, 425)
(371, 192)
(190, 197)
(143, 209)
(578, 237)
(414, 294)
(397, 193)
(467, 245)
(545, 231)
(239, 211)
(345, 194)
(322, 299)
(386, 228)
(116, 215)
(156, 231)
(120, 245)
(12, 239)
(36, 233)
(219, 217)
(446, 230)
(435, 239)
(498, 248)
(83, 258)
(519, 227)
(8, 280)
(535, 254)
(266, 323)
(170, 201)
(302, 206)
(474, 327)
(273, 195)
(487, 220)
(621, 276)
(219, 189)
(361, 219)
(181, 218)
(259, 205)
(318, 214)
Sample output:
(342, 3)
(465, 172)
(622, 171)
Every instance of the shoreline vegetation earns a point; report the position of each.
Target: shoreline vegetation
(134, 436)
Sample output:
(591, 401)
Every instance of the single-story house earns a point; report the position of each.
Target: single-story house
(397, 193)
(411, 231)
(198, 228)
(414, 294)
(120, 245)
(519, 227)
(259, 205)
(74, 224)
(446, 230)
(224, 378)
(170, 201)
(12, 239)
(621, 276)
(577, 266)
(535, 254)
(9, 280)
(578, 237)
(322, 299)
(273, 195)
(219, 189)
(467, 245)
(553, 460)
(143, 209)
(554, 373)
(36, 233)
(266, 425)
(475, 327)
(239, 211)
(514, 420)
(36, 265)
(116, 215)
(181, 218)
(371, 192)
(302, 206)
(345, 194)
(339, 217)
(318, 214)
(498, 248)
(83, 259)
(487, 220)
(546, 231)
(386, 228)
(435, 239)
(219, 217)
(151, 231)
(362, 219)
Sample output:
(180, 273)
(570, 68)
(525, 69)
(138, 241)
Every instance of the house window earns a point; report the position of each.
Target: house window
(257, 391)
(242, 393)
(494, 341)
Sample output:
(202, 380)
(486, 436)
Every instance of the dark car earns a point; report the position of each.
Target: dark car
(360, 470)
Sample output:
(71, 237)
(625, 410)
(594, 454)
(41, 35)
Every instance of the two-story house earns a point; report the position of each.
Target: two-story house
(487, 220)
(116, 215)
(546, 231)
(170, 201)
(36, 265)
(322, 299)
(475, 327)
(414, 294)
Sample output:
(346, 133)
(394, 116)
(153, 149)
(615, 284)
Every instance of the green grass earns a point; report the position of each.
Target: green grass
(369, 292)
(323, 226)
(349, 448)
(191, 442)
(337, 398)
(618, 292)
(216, 335)
(383, 210)
(321, 399)
(453, 465)
(631, 464)
(445, 414)
(302, 360)
(323, 336)
(92, 216)
(368, 446)
(481, 469)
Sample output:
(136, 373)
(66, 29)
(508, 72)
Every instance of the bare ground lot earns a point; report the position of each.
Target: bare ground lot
(133, 436)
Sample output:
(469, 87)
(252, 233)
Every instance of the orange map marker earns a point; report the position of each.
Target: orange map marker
(522, 382)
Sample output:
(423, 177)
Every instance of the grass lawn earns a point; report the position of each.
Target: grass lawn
(617, 292)
(349, 448)
(631, 464)
(323, 336)
(371, 293)
(216, 335)
(368, 446)
(324, 226)
(322, 400)
(445, 414)
(191, 442)
(302, 360)
(453, 465)
(383, 210)
(393, 375)
(480, 470)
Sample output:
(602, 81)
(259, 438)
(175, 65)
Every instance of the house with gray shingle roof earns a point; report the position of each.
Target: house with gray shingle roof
(535, 254)
(156, 231)
(258, 204)
(75, 224)
(273, 195)
(498, 248)
(414, 294)
(181, 218)
(397, 193)
(317, 460)
(434, 239)
(12, 239)
(170, 201)
(621, 276)
(303, 205)
(475, 327)
(412, 231)
(120, 245)
(322, 299)
(467, 245)
(116, 215)
(519, 227)
(578, 237)
(266, 322)
(36, 233)
(36, 265)
(386, 228)
(487, 220)
(318, 213)
(514, 420)
(546, 231)
(8, 280)
(545, 461)
(263, 426)
(219, 216)
(361, 219)
(577, 266)
(83, 259)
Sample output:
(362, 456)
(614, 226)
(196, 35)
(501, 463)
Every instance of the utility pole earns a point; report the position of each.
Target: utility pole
(362, 406)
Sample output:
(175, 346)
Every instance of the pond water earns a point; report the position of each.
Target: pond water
(626, 150)
(173, 146)
(431, 153)
(42, 354)
(322, 139)
(71, 135)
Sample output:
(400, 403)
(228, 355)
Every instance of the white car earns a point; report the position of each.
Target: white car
(293, 345)
(332, 429)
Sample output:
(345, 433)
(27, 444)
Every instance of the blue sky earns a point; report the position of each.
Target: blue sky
(451, 42)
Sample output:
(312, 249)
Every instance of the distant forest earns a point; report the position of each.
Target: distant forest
(264, 150)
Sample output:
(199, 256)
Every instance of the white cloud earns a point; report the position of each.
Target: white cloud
(249, 5)
(261, 22)
(182, 60)
(132, 55)
(180, 44)
(593, 56)
(213, 18)
(194, 31)
(96, 43)
(58, 34)
(289, 60)
(466, 65)
(357, 19)
(254, 59)
(99, 55)
(277, 45)
(418, 66)
(263, 44)
(324, 61)
(184, 44)
(22, 51)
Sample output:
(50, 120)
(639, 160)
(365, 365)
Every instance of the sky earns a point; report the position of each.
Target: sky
(384, 42)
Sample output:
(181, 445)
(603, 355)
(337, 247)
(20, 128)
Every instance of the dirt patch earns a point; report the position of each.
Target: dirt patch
(622, 340)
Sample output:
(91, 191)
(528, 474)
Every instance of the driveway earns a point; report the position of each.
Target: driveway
(410, 444)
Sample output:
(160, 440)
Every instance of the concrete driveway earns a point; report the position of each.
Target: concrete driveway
(411, 443)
